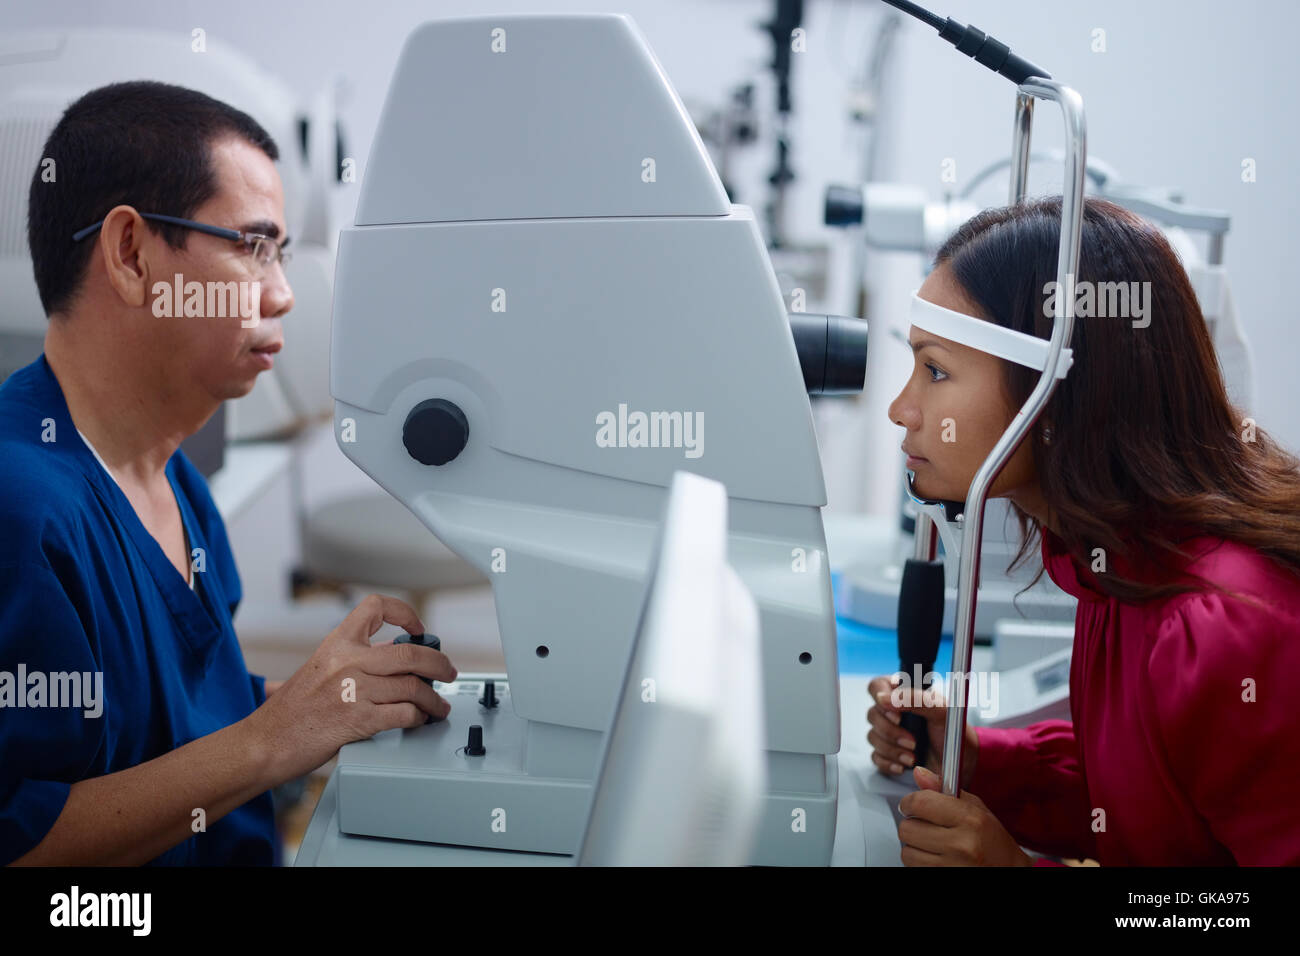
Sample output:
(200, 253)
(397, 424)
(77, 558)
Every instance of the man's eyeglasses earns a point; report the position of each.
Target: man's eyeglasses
(263, 249)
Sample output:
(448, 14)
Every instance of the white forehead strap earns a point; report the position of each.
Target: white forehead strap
(1028, 350)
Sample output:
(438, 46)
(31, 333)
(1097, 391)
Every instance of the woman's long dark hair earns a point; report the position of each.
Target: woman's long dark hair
(1144, 441)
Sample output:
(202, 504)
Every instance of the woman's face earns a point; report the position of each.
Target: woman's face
(955, 408)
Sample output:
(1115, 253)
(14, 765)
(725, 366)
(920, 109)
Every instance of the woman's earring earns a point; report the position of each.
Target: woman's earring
(1047, 434)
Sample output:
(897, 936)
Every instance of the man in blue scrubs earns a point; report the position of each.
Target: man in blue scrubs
(130, 729)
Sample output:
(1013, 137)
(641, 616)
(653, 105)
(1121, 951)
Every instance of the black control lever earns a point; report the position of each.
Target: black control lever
(424, 640)
(920, 625)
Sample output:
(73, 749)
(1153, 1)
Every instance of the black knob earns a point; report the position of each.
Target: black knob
(435, 431)
(475, 746)
(489, 698)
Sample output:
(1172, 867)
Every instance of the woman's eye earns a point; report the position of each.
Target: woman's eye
(936, 374)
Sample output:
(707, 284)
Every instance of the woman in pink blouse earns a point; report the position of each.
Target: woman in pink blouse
(1173, 519)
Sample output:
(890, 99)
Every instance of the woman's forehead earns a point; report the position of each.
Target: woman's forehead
(920, 339)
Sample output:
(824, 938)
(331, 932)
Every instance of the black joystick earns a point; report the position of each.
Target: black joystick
(489, 698)
(475, 746)
(424, 640)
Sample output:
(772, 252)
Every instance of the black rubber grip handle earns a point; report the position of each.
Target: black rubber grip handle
(920, 626)
(915, 725)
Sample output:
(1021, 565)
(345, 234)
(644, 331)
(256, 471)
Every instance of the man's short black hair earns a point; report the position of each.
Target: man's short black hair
(144, 144)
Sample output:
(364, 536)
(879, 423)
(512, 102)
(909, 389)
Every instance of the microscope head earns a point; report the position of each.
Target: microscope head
(545, 308)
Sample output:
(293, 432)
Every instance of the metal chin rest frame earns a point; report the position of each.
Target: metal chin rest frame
(961, 524)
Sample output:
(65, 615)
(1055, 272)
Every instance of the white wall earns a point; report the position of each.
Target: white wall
(1185, 91)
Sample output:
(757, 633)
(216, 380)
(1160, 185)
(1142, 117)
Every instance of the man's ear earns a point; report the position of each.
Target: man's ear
(121, 241)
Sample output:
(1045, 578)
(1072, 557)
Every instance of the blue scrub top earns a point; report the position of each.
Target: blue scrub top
(85, 588)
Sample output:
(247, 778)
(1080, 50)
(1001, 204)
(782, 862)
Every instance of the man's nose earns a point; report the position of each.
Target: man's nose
(277, 296)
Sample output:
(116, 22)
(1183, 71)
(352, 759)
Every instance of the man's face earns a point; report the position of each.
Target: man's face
(223, 354)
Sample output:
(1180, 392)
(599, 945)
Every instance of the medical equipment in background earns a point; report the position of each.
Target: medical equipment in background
(786, 18)
(865, 97)
(683, 768)
(1032, 661)
(726, 128)
(802, 268)
(43, 72)
(488, 344)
